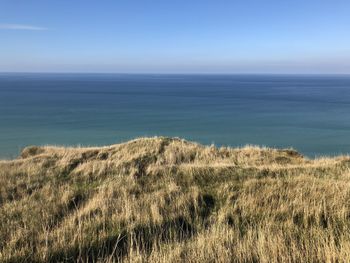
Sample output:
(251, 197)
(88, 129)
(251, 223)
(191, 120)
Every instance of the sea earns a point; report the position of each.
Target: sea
(310, 113)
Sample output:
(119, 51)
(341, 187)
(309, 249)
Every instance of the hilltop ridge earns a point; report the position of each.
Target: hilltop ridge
(168, 200)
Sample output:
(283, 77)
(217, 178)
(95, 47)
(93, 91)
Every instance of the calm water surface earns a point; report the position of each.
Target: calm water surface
(308, 113)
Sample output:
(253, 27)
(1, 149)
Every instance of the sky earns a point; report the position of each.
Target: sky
(175, 36)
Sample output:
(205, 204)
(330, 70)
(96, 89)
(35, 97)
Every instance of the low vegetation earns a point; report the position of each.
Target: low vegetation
(169, 200)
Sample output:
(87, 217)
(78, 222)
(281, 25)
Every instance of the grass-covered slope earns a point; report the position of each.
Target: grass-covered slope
(169, 200)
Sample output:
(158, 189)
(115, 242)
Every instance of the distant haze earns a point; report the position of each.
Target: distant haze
(175, 36)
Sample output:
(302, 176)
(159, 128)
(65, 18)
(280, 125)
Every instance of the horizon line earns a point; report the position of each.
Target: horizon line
(167, 73)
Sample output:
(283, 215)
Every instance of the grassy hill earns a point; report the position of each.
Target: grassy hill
(169, 200)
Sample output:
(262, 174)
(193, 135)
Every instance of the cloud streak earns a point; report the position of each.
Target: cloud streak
(21, 27)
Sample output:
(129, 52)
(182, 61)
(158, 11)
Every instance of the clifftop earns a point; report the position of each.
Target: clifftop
(166, 199)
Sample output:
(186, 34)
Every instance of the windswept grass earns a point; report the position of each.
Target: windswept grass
(169, 200)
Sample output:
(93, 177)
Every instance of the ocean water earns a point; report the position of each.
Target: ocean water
(307, 112)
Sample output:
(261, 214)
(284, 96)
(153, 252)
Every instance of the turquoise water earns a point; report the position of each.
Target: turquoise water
(309, 113)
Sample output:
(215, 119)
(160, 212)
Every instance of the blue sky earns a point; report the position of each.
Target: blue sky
(175, 36)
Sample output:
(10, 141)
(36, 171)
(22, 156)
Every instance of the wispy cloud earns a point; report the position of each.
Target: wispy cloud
(21, 27)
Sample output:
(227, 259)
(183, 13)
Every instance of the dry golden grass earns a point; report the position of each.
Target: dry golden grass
(169, 200)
